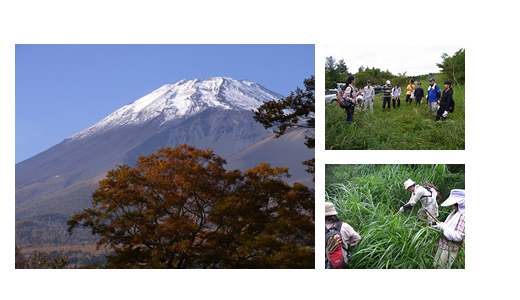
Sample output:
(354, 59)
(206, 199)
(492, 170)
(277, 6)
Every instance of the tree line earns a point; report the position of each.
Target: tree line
(452, 68)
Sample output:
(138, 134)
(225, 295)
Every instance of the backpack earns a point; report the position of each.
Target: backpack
(340, 101)
(429, 188)
(451, 108)
(336, 252)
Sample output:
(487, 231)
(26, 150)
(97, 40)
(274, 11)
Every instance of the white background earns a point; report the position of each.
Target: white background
(488, 30)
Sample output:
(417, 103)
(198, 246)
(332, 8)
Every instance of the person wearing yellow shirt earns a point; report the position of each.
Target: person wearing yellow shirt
(409, 90)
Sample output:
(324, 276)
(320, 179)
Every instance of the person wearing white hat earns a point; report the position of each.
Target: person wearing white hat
(387, 94)
(348, 234)
(453, 229)
(428, 199)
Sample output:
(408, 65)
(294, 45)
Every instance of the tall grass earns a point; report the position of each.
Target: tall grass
(404, 128)
(367, 197)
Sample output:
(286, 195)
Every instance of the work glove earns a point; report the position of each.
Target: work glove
(445, 114)
(440, 226)
(401, 209)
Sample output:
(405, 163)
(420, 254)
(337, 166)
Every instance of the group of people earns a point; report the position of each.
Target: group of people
(453, 228)
(438, 104)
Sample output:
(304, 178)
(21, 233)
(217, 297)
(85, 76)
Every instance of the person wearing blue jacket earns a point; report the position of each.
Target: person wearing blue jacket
(433, 96)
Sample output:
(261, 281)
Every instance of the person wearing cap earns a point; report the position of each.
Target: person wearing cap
(387, 94)
(348, 234)
(453, 230)
(409, 90)
(419, 94)
(396, 95)
(349, 96)
(433, 95)
(426, 197)
(368, 96)
(446, 101)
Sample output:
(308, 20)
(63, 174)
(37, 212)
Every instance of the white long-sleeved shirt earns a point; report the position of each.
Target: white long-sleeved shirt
(369, 93)
(396, 92)
(427, 199)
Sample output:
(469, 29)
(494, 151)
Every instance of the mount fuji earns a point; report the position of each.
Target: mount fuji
(214, 113)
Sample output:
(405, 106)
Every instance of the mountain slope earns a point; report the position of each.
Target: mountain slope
(166, 109)
(214, 113)
(276, 151)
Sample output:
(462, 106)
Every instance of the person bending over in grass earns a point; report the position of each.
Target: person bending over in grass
(428, 199)
(349, 95)
(446, 101)
(453, 229)
(348, 235)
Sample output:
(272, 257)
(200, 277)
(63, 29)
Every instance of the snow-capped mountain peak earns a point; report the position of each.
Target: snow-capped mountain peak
(184, 99)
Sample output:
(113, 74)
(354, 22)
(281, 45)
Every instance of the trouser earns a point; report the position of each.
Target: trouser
(432, 108)
(350, 113)
(417, 101)
(385, 101)
(369, 102)
(440, 112)
(408, 99)
(439, 116)
(444, 258)
(398, 102)
(434, 210)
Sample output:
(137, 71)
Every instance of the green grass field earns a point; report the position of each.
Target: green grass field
(404, 128)
(368, 196)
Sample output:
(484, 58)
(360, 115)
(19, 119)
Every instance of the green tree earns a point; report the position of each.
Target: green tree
(166, 212)
(454, 67)
(332, 75)
(341, 67)
(297, 110)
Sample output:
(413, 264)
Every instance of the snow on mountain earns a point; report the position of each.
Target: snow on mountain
(184, 99)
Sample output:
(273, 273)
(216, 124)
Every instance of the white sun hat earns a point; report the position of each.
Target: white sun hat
(408, 183)
(457, 196)
(330, 210)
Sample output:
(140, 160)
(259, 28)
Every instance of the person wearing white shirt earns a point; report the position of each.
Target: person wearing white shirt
(368, 96)
(453, 230)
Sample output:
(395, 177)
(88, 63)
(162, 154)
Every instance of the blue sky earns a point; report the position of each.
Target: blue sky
(63, 89)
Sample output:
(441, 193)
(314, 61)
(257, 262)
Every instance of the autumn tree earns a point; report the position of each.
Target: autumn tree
(296, 110)
(265, 223)
(169, 211)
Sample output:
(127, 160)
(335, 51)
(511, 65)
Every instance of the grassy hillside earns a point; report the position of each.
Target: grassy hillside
(404, 128)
